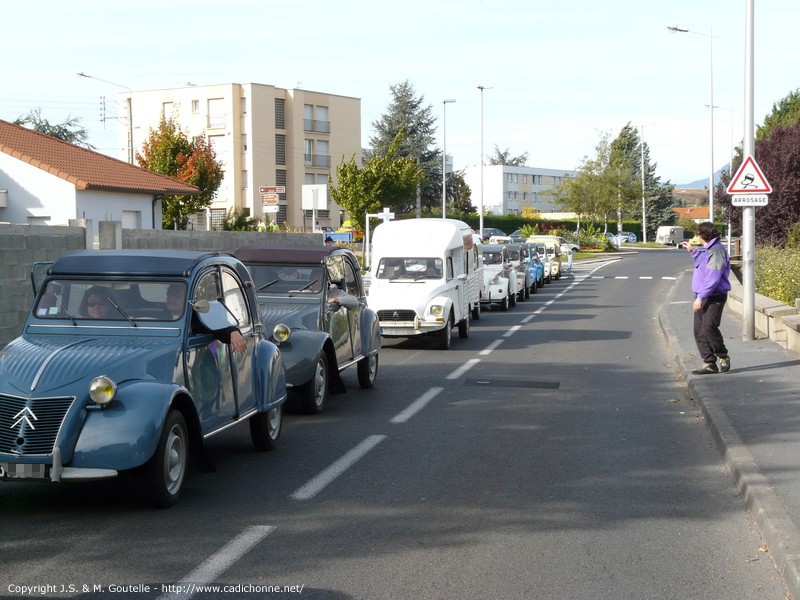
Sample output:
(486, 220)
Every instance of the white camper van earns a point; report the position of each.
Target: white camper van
(425, 277)
(671, 235)
(553, 249)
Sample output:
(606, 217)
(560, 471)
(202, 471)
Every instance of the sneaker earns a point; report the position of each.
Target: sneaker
(706, 369)
(724, 364)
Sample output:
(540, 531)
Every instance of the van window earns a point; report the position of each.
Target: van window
(411, 268)
(449, 268)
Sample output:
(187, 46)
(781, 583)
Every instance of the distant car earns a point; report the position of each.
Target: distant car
(530, 256)
(612, 238)
(541, 252)
(490, 231)
(516, 236)
(568, 245)
(519, 263)
(347, 227)
(499, 276)
(500, 239)
(317, 339)
(123, 366)
(626, 237)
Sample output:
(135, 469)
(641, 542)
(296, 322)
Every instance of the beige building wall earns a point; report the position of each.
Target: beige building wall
(264, 136)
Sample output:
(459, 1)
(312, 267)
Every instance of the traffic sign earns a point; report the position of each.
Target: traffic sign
(749, 180)
(272, 189)
(269, 199)
(749, 199)
(269, 209)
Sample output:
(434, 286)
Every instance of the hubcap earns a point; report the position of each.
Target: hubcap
(174, 459)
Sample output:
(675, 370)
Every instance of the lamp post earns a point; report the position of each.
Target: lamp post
(444, 155)
(480, 205)
(710, 36)
(644, 215)
(130, 110)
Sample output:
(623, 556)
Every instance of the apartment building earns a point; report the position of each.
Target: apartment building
(264, 136)
(508, 190)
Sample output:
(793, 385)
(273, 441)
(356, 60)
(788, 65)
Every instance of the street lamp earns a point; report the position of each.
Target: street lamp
(480, 207)
(710, 36)
(130, 110)
(644, 214)
(444, 155)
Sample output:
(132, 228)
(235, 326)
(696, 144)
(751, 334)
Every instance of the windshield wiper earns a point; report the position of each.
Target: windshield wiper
(266, 285)
(304, 288)
(122, 312)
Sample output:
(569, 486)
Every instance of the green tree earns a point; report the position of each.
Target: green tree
(505, 158)
(785, 114)
(387, 180)
(170, 152)
(239, 219)
(408, 114)
(68, 131)
(459, 195)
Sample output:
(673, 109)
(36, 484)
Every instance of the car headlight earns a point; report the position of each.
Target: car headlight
(437, 310)
(281, 332)
(102, 390)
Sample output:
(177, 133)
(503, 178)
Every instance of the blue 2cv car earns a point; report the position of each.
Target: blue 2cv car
(128, 361)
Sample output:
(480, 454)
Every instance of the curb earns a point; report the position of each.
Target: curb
(779, 531)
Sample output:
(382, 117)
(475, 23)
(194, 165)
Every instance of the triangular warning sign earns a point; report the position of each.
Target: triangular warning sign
(749, 179)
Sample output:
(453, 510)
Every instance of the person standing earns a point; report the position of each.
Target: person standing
(710, 284)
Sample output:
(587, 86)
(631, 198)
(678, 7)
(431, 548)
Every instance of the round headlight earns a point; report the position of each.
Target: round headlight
(281, 332)
(437, 311)
(102, 390)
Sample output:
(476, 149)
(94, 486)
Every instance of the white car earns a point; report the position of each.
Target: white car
(569, 245)
(499, 277)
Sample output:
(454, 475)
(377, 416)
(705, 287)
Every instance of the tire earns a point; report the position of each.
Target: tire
(512, 298)
(367, 369)
(476, 311)
(446, 335)
(463, 327)
(165, 471)
(540, 283)
(535, 286)
(315, 392)
(504, 304)
(265, 428)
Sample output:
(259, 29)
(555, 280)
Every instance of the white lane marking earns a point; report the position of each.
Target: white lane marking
(219, 562)
(529, 318)
(668, 277)
(463, 368)
(683, 302)
(417, 405)
(621, 277)
(645, 277)
(488, 350)
(512, 331)
(326, 477)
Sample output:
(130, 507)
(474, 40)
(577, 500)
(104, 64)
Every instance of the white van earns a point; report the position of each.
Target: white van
(670, 235)
(425, 277)
(553, 248)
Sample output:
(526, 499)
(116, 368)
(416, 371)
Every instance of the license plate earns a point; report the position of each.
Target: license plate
(22, 471)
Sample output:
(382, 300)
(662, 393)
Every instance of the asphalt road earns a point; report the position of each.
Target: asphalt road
(553, 454)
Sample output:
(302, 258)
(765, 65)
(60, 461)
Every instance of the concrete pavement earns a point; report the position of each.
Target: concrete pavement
(753, 412)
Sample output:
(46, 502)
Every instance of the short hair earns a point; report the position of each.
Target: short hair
(707, 231)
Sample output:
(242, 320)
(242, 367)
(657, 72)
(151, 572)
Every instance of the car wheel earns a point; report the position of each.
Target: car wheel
(463, 327)
(504, 304)
(540, 283)
(446, 335)
(512, 298)
(548, 279)
(315, 392)
(265, 428)
(535, 286)
(367, 369)
(527, 292)
(476, 311)
(166, 470)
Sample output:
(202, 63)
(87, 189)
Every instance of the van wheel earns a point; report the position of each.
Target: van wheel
(463, 327)
(512, 298)
(446, 335)
(476, 311)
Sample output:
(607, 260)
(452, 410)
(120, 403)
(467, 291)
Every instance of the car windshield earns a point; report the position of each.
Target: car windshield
(117, 300)
(286, 279)
(492, 258)
(410, 268)
(513, 255)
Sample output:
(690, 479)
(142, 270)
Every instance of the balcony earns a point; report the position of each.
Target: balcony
(316, 126)
(322, 161)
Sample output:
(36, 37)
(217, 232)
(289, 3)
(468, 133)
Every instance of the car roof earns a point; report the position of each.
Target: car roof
(178, 263)
(493, 247)
(291, 254)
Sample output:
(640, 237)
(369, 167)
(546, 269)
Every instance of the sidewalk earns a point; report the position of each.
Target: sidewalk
(753, 413)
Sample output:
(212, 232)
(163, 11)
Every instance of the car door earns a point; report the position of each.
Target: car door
(338, 318)
(353, 286)
(208, 362)
(235, 300)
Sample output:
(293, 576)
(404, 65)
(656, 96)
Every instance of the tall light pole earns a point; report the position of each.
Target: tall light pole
(748, 212)
(644, 215)
(130, 110)
(444, 155)
(710, 36)
(480, 206)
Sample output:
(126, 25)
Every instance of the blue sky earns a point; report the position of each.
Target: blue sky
(561, 72)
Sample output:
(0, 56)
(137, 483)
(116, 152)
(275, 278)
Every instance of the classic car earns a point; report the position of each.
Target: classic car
(519, 263)
(540, 251)
(499, 276)
(313, 305)
(124, 365)
(530, 258)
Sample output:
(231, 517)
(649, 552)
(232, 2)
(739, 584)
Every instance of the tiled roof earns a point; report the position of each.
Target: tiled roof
(87, 169)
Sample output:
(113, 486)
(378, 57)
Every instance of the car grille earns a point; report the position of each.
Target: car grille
(397, 316)
(45, 416)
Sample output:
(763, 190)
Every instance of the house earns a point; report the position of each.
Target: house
(46, 181)
(271, 142)
(698, 214)
(507, 190)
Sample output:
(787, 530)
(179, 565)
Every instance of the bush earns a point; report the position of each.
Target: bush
(793, 240)
(777, 273)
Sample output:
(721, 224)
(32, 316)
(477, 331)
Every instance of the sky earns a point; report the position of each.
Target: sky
(558, 74)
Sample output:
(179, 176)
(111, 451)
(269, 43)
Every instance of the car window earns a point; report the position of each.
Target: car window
(286, 279)
(351, 281)
(492, 258)
(234, 298)
(412, 268)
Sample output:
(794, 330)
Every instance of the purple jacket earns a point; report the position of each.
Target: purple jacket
(712, 265)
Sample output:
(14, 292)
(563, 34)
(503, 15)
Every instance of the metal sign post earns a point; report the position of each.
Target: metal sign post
(386, 215)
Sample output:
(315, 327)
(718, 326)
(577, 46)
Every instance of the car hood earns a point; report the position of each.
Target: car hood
(297, 315)
(403, 293)
(45, 364)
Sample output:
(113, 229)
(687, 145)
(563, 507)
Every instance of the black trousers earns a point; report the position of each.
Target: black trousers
(707, 335)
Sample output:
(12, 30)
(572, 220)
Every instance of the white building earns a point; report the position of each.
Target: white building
(264, 136)
(508, 190)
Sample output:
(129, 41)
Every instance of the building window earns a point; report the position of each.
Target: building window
(166, 110)
(244, 179)
(308, 152)
(524, 178)
(195, 106)
(280, 113)
(216, 112)
(280, 179)
(508, 177)
(217, 218)
(244, 106)
(280, 149)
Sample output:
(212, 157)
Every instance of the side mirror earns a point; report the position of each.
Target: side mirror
(462, 277)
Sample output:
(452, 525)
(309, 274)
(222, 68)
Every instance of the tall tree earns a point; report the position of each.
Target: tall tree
(504, 158)
(168, 151)
(388, 180)
(408, 113)
(785, 114)
(68, 131)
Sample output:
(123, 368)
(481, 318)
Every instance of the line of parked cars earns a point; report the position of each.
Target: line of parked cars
(130, 360)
